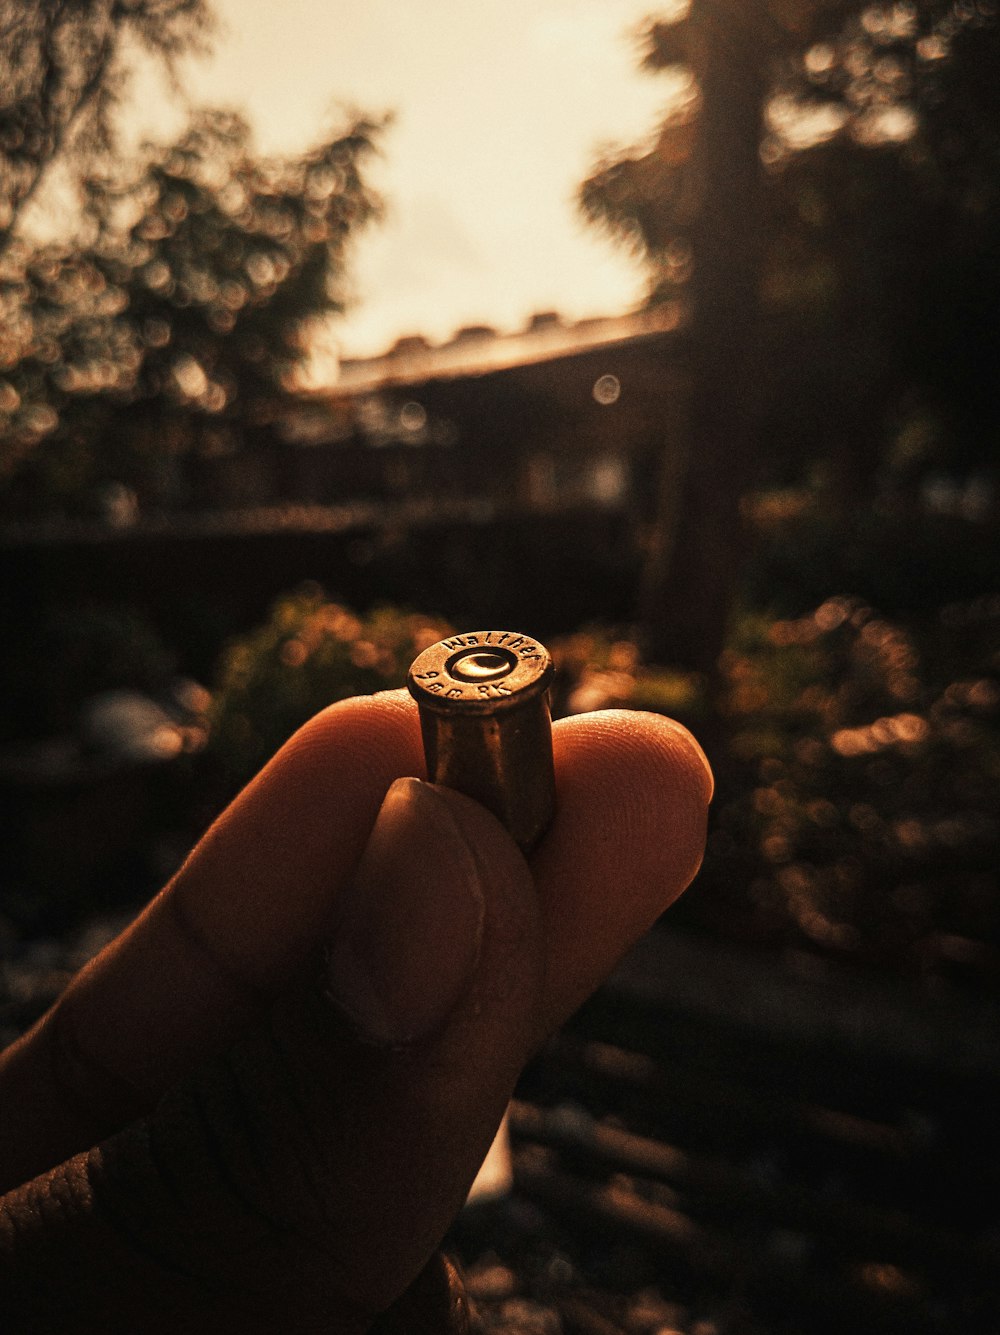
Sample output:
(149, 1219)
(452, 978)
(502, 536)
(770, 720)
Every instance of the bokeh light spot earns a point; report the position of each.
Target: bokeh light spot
(607, 390)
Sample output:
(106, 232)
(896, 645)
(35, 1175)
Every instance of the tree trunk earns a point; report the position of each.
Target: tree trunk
(694, 559)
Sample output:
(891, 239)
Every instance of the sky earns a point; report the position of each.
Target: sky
(500, 108)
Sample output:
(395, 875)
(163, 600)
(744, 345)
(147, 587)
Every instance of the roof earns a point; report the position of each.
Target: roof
(478, 350)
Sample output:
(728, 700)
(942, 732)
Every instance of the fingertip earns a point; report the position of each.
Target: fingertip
(640, 775)
(632, 797)
(667, 737)
(370, 732)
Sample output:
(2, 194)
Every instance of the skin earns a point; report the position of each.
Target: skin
(197, 1137)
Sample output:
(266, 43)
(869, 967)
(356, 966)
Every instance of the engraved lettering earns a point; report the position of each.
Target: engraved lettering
(472, 639)
(456, 643)
(518, 639)
(455, 693)
(426, 676)
(504, 636)
(435, 686)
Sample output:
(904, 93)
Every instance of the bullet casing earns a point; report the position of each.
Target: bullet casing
(484, 715)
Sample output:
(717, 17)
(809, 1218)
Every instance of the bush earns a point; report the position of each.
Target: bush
(857, 765)
(309, 653)
(859, 813)
(596, 669)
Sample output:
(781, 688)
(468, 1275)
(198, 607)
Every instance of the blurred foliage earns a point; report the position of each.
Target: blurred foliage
(178, 325)
(879, 281)
(596, 669)
(906, 565)
(856, 810)
(901, 77)
(888, 226)
(309, 653)
(64, 66)
(822, 202)
(857, 766)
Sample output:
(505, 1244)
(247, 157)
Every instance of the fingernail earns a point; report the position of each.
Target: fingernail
(412, 926)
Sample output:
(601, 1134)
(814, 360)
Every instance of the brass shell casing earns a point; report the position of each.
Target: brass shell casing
(484, 714)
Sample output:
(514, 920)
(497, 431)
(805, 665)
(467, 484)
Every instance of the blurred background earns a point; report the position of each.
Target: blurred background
(669, 334)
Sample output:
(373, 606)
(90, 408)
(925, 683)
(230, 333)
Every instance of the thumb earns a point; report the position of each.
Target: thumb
(303, 1178)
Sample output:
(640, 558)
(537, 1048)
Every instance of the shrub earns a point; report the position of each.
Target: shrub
(859, 814)
(596, 669)
(309, 653)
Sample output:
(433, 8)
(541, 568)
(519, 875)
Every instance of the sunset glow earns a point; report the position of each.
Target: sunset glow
(498, 110)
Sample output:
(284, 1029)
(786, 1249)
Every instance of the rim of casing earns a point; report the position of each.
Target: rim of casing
(436, 655)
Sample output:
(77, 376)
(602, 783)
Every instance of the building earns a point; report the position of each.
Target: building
(555, 417)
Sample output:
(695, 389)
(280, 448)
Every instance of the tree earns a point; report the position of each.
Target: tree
(886, 236)
(63, 68)
(695, 205)
(178, 326)
(787, 202)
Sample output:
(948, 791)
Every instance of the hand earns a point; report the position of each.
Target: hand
(261, 1106)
